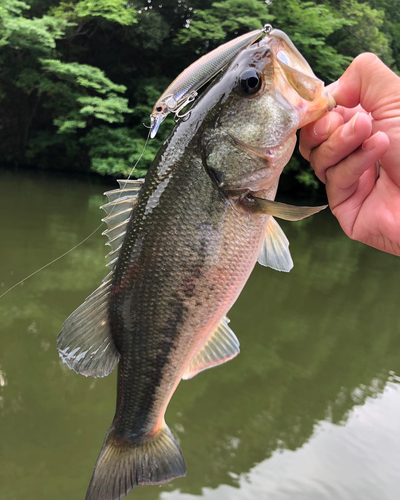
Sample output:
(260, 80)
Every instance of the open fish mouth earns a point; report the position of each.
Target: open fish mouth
(314, 100)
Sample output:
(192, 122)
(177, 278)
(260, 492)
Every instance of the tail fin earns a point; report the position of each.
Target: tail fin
(123, 464)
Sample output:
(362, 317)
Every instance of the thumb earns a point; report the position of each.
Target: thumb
(369, 82)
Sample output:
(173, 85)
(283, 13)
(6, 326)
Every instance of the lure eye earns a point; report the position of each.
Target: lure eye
(159, 109)
(250, 81)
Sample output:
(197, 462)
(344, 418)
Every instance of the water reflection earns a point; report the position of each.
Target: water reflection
(310, 473)
(320, 352)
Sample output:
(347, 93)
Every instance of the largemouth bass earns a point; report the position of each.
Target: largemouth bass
(183, 244)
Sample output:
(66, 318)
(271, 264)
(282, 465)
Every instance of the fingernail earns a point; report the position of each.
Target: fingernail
(334, 87)
(322, 126)
(350, 126)
(370, 143)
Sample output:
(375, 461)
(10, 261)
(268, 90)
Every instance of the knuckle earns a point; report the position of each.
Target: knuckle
(329, 175)
(365, 58)
(329, 151)
(365, 61)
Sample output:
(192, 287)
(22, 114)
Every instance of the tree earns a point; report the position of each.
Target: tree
(78, 78)
(76, 96)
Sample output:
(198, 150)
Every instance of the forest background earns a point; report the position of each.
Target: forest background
(78, 78)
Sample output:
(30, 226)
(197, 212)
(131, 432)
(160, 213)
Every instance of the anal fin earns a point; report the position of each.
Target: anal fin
(275, 249)
(221, 346)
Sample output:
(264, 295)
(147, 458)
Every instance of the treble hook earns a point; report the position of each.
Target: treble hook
(190, 99)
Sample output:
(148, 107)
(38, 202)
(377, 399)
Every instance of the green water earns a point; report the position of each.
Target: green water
(310, 409)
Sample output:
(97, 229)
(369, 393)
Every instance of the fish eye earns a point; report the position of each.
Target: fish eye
(250, 81)
(159, 109)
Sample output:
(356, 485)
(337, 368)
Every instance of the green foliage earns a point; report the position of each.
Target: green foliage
(307, 178)
(299, 172)
(390, 26)
(118, 11)
(110, 110)
(213, 24)
(109, 107)
(79, 77)
(82, 74)
(115, 151)
(22, 33)
(361, 32)
(310, 25)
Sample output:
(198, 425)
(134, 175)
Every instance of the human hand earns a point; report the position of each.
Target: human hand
(355, 151)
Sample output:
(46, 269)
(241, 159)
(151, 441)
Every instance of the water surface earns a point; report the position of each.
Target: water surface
(309, 410)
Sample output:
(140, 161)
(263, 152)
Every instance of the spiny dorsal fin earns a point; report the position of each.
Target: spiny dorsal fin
(219, 348)
(85, 344)
(127, 188)
(119, 209)
(275, 249)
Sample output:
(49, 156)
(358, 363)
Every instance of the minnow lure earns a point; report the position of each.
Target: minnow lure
(183, 89)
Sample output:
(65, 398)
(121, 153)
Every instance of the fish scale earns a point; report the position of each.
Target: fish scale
(169, 283)
(198, 224)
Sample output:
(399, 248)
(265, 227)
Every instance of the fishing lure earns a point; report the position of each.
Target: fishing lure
(183, 89)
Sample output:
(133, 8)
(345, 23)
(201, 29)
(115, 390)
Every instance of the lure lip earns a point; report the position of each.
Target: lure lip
(155, 122)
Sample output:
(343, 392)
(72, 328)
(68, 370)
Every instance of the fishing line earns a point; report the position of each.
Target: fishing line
(135, 165)
(87, 237)
(52, 262)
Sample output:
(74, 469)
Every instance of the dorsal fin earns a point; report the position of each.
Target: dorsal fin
(221, 346)
(85, 343)
(119, 209)
(275, 249)
(127, 188)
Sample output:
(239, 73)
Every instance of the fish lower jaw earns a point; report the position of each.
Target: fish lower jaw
(315, 110)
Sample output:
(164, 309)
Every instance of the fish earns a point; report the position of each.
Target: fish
(183, 89)
(184, 241)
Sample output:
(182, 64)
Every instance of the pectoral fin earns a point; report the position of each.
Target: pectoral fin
(277, 209)
(275, 250)
(219, 348)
